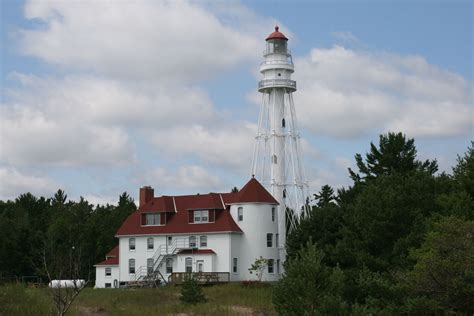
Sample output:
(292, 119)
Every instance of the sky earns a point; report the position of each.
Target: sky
(103, 97)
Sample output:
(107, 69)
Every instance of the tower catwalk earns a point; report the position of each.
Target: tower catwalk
(277, 161)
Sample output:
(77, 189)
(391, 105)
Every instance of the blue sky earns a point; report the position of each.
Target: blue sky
(100, 98)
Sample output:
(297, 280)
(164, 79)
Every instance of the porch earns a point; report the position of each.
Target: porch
(201, 277)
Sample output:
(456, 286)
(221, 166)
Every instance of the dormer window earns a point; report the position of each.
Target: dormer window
(201, 216)
(152, 219)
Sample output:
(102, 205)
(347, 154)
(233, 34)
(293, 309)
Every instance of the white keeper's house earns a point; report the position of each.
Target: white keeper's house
(220, 235)
(215, 232)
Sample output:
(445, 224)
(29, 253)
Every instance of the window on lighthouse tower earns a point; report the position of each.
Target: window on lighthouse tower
(277, 45)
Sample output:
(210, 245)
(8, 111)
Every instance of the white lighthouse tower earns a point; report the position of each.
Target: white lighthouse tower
(277, 161)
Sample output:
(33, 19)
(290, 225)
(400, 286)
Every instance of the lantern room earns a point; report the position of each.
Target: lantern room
(277, 42)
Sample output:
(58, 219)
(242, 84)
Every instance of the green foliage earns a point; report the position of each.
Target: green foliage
(325, 196)
(390, 235)
(309, 287)
(395, 154)
(258, 267)
(30, 226)
(191, 291)
(444, 270)
(463, 172)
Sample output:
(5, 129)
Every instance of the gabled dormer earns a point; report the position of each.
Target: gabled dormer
(205, 208)
(154, 211)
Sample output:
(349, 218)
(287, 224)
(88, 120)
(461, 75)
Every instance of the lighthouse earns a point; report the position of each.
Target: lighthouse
(277, 160)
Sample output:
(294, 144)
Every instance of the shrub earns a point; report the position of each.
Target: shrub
(309, 287)
(191, 291)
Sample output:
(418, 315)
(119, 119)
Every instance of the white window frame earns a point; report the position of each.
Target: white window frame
(277, 244)
(149, 267)
(148, 243)
(201, 216)
(235, 262)
(152, 219)
(272, 265)
(169, 265)
(203, 241)
(187, 265)
(269, 240)
(131, 265)
(273, 214)
(200, 266)
(131, 244)
(108, 272)
(240, 213)
(192, 242)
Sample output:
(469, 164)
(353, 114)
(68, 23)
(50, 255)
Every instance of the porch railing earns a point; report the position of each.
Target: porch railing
(201, 277)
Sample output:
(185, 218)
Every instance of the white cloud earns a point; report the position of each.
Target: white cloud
(227, 143)
(187, 177)
(31, 137)
(348, 93)
(140, 39)
(14, 183)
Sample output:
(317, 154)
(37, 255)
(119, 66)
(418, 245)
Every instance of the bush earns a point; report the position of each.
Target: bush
(191, 291)
(309, 287)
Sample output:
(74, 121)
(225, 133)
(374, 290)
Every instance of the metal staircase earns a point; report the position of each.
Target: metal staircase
(164, 251)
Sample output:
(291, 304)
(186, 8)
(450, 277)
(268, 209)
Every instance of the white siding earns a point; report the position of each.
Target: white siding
(257, 222)
(101, 278)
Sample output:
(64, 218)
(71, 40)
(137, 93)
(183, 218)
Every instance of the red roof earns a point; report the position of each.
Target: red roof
(197, 252)
(176, 223)
(276, 34)
(254, 192)
(162, 205)
(111, 258)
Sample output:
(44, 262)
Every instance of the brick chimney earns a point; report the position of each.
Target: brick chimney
(146, 194)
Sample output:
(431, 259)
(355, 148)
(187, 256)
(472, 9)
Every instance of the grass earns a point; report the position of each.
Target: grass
(225, 299)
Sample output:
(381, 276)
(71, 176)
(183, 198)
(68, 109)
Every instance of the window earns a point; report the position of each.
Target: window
(203, 241)
(192, 242)
(149, 266)
(131, 266)
(270, 266)
(274, 159)
(169, 265)
(283, 123)
(131, 244)
(200, 265)
(273, 214)
(170, 240)
(201, 216)
(284, 193)
(234, 265)
(108, 271)
(240, 214)
(269, 240)
(153, 219)
(276, 240)
(278, 266)
(150, 243)
(189, 265)
(108, 285)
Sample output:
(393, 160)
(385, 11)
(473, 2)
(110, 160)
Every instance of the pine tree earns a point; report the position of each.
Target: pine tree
(191, 291)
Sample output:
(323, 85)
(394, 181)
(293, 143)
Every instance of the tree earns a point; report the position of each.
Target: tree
(325, 196)
(259, 267)
(309, 287)
(234, 190)
(59, 266)
(463, 172)
(444, 269)
(395, 154)
(191, 291)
